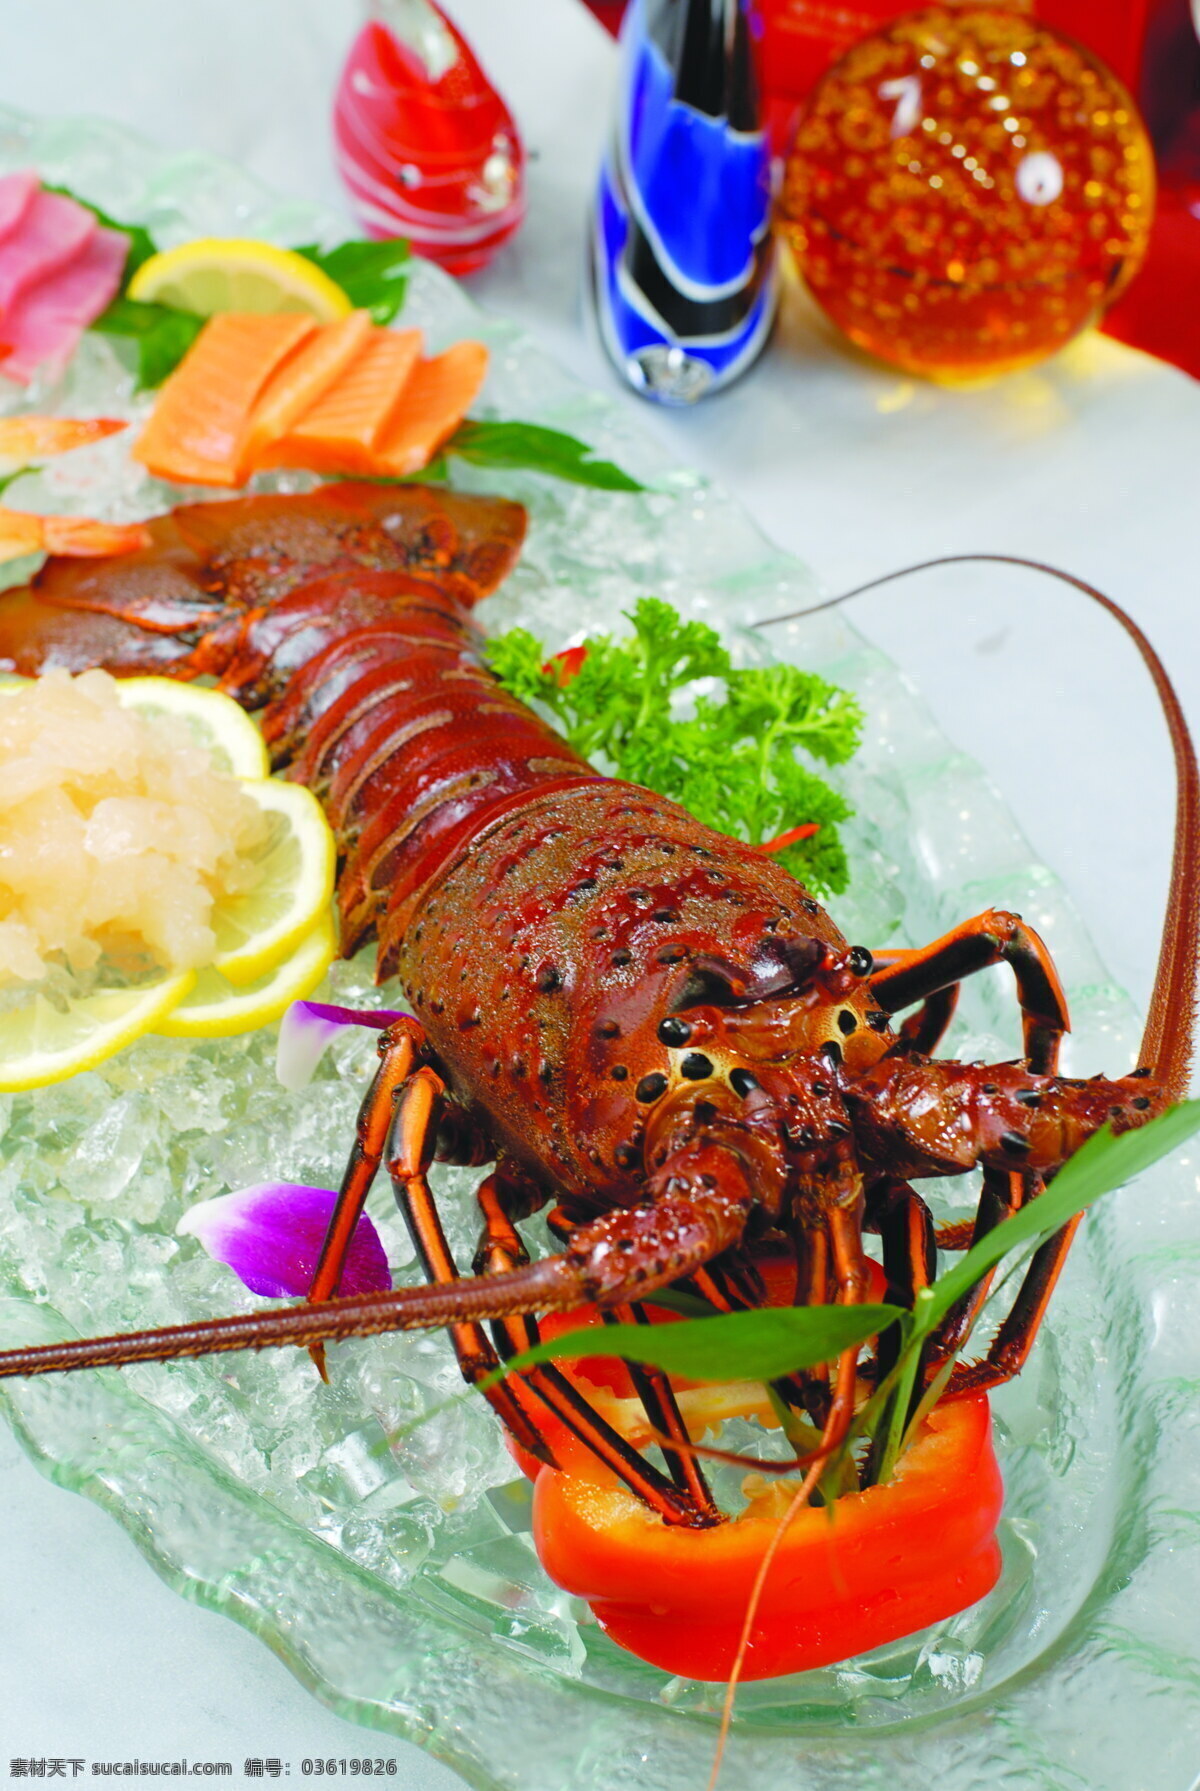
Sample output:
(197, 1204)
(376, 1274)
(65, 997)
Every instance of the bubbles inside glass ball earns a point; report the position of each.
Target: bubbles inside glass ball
(967, 190)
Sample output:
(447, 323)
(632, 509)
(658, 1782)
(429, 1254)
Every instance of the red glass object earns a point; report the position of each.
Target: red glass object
(425, 144)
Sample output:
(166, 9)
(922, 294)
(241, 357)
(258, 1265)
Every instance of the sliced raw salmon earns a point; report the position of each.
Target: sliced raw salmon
(303, 380)
(197, 429)
(338, 434)
(434, 402)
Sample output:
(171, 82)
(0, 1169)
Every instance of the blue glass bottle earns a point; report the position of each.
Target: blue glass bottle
(683, 264)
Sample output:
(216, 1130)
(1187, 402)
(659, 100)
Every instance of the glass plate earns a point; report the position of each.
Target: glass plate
(397, 1578)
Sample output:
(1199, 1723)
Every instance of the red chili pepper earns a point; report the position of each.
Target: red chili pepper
(564, 666)
(885, 1562)
(803, 832)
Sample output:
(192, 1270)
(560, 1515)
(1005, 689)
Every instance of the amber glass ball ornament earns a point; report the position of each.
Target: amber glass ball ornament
(966, 191)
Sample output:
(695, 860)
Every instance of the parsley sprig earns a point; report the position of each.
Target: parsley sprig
(732, 761)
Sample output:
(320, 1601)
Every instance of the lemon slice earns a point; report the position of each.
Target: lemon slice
(256, 931)
(218, 724)
(215, 1008)
(238, 274)
(40, 1044)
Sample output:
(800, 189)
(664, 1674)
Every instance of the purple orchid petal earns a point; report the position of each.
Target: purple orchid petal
(309, 1028)
(271, 1237)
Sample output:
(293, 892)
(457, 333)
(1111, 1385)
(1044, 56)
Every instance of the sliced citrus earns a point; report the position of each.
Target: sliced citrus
(256, 931)
(39, 1043)
(217, 723)
(215, 1008)
(238, 274)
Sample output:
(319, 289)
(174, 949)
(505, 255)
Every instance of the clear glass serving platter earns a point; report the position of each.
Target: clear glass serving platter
(395, 1574)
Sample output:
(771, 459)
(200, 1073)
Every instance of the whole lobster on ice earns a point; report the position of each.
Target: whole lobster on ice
(646, 1024)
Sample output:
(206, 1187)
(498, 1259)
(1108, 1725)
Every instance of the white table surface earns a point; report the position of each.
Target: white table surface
(1089, 462)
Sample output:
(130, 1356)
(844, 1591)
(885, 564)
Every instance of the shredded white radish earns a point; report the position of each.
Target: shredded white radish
(118, 834)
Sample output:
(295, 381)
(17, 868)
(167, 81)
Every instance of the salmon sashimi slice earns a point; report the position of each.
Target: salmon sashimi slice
(197, 429)
(339, 433)
(303, 379)
(22, 532)
(37, 438)
(434, 403)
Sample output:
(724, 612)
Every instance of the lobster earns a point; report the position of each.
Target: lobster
(646, 1027)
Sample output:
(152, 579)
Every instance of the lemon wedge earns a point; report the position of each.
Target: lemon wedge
(215, 1008)
(40, 1043)
(217, 723)
(238, 274)
(256, 931)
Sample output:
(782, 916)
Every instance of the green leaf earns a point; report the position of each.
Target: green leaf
(141, 244)
(162, 335)
(373, 275)
(733, 764)
(752, 1346)
(537, 450)
(6, 479)
(1104, 1163)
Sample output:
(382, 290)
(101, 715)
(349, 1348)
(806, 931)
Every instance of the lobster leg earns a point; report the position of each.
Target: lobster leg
(1016, 1336)
(399, 1047)
(501, 1249)
(850, 1273)
(413, 1131)
(1003, 1193)
(925, 1029)
(658, 1398)
(905, 1226)
(990, 938)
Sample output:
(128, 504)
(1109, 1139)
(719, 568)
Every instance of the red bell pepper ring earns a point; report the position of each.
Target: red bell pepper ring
(880, 1565)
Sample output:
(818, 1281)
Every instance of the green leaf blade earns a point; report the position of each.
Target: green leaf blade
(529, 447)
(373, 275)
(755, 1346)
(161, 334)
(1106, 1162)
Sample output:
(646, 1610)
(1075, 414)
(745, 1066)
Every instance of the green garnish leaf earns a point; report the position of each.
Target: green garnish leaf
(162, 335)
(374, 276)
(6, 479)
(733, 764)
(752, 1346)
(1106, 1162)
(531, 448)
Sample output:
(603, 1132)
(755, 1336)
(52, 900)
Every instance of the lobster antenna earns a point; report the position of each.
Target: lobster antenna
(534, 1287)
(1168, 1040)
